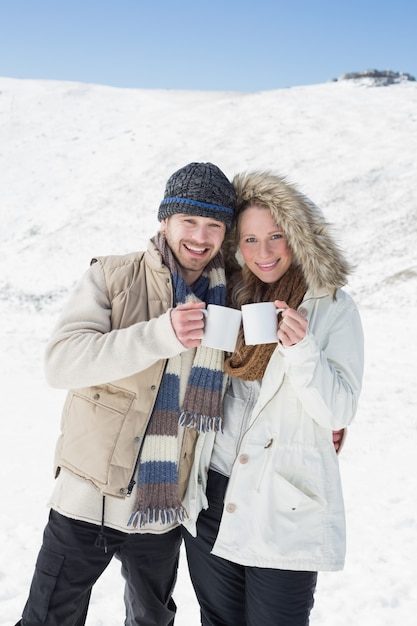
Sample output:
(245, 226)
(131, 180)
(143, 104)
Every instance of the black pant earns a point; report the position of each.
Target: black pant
(69, 564)
(235, 595)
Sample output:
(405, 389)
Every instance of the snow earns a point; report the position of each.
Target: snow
(83, 169)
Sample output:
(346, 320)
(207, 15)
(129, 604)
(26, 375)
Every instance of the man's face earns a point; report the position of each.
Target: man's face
(194, 241)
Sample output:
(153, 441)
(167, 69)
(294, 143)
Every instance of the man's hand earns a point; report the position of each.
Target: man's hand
(188, 323)
(338, 436)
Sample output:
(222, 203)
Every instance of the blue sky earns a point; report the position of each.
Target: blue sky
(216, 45)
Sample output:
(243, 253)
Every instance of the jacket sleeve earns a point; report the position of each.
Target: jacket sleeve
(327, 378)
(84, 350)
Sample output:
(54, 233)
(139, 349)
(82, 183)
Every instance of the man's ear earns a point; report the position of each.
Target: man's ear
(163, 224)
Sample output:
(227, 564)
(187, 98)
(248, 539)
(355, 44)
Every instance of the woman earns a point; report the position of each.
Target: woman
(273, 511)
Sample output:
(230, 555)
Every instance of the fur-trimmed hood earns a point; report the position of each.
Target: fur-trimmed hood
(307, 231)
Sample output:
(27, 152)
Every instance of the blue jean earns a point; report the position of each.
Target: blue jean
(235, 595)
(69, 564)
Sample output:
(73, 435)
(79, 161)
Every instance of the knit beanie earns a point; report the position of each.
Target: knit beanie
(199, 189)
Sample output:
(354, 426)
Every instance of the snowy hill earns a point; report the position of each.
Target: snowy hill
(83, 169)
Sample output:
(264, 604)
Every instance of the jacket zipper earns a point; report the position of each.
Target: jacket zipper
(132, 481)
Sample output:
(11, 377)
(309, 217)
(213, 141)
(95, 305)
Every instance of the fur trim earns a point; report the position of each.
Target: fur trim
(309, 235)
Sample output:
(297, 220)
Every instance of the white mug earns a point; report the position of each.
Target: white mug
(221, 327)
(260, 323)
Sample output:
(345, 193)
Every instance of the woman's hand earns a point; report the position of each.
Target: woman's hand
(292, 327)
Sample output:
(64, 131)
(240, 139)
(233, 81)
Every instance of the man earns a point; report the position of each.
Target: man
(127, 346)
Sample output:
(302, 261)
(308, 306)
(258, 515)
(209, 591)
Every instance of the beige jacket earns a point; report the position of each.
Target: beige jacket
(116, 327)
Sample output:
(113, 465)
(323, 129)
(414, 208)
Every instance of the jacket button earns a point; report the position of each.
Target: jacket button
(230, 508)
(137, 439)
(244, 458)
(96, 396)
(302, 311)
(153, 387)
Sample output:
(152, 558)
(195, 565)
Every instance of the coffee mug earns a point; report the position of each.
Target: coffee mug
(260, 323)
(221, 327)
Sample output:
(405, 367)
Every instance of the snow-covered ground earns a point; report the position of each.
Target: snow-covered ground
(83, 169)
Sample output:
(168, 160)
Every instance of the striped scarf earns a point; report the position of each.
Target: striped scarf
(157, 495)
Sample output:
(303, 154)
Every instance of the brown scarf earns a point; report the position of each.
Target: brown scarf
(249, 362)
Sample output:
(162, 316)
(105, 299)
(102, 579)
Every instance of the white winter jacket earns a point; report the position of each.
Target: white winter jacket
(284, 505)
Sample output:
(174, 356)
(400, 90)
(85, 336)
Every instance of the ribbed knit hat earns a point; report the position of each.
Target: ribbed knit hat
(199, 189)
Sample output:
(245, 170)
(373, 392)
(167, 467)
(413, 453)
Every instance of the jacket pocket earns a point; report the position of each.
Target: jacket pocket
(47, 569)
(92, 422)
(292, 498)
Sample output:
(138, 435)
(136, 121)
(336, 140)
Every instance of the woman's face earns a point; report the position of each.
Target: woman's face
(263, 244)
